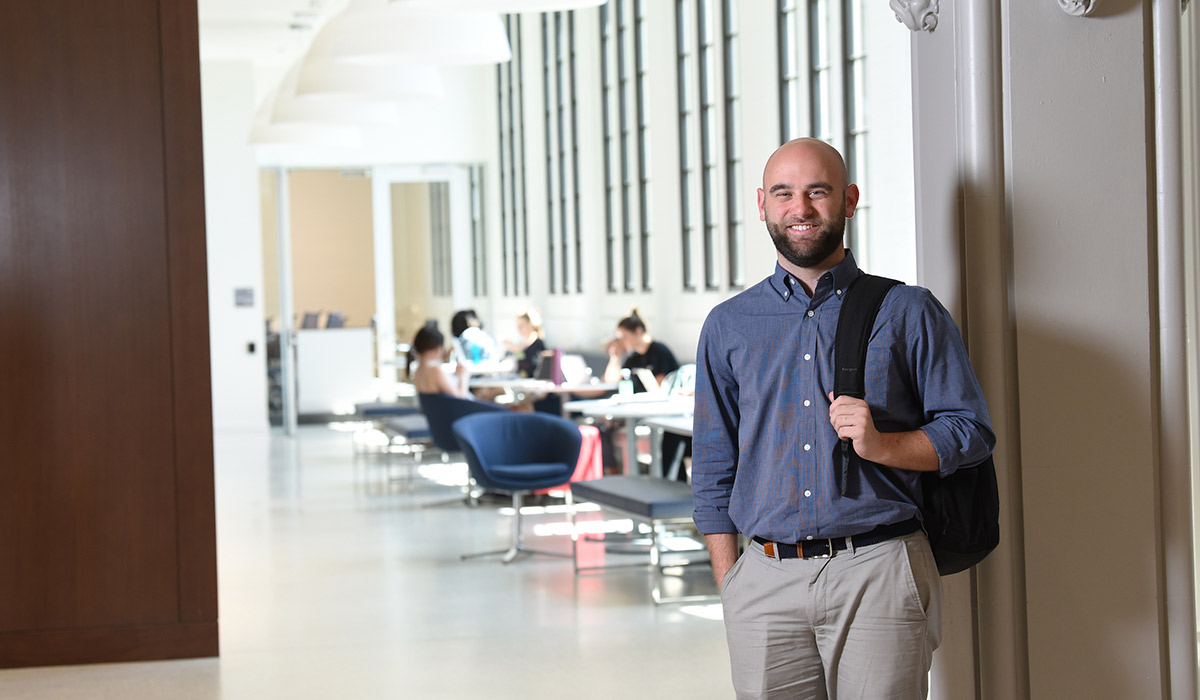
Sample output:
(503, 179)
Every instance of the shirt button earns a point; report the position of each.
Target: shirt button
(807, 447)
(839, 292)
(807, 402)
(807, 356)
(786, 295)
(807, 493)
(809, 537)
(811, 313)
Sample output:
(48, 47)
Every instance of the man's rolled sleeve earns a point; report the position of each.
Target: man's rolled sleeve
(714, 436)
(959, 447)
(958, 422)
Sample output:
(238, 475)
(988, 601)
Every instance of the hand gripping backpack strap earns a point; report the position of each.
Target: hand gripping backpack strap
(860, 306)
(959, 512)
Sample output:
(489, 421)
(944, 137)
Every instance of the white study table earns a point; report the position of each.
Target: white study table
(679, 425)
(521, 389)
(540, 386)
(632, 408)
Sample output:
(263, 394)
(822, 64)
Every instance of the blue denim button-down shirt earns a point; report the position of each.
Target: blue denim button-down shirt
(763, 449)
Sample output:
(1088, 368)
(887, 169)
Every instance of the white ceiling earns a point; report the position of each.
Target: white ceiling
(266, 32)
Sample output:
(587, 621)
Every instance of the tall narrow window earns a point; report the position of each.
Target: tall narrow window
(575, 194)
(479, 286)
(439, 236)
(687, 165)
(514, 38)
(565, 184)
(708, 138)
(820, 68)
(549, 100)
(856, 119)
(624, 80)
(710, 159)
(514, 237)
(643, 145)
(608, 92)
(507, 211)
(789, 73)
(734, 221)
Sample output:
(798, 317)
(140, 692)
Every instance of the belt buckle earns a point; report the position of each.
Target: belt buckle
(829, 554)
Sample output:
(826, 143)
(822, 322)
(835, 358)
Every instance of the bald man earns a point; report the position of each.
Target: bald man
(837, 595)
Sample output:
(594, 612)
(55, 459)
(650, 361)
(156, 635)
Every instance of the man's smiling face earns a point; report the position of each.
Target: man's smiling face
(805, 201)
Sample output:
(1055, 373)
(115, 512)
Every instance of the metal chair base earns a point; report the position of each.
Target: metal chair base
(518, 548)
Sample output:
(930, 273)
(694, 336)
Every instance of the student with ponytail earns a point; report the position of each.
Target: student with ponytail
(633, 348)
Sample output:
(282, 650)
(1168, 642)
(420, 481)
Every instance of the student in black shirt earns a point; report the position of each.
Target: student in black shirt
(633, 348)
(528, 348)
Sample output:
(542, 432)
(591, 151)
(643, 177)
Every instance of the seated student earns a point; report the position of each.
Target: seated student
(428, 377)
(633, 348)
(471, 344)
(528, 348)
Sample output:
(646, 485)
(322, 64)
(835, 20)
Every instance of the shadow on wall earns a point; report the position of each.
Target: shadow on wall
(1089, 491)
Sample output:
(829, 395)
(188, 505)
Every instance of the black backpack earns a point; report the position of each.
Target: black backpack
(960, 512)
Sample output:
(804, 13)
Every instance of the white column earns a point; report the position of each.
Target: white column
(461, 261)
(1175, 474)
(964, 257)
(287, 334)
(385, 283)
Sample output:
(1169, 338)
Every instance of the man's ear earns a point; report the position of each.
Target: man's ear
(762, 200)
(851, 200)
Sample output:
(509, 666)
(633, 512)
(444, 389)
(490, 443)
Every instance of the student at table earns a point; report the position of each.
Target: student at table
(429, 345)
(633, 348)
(471, 344)
(530, 343)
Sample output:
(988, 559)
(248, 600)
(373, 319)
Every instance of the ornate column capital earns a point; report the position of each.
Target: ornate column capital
(917, 15)
(1078, 8)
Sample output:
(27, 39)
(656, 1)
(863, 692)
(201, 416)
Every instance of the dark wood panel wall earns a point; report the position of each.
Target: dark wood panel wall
(107, 531)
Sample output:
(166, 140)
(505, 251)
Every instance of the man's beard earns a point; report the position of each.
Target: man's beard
(814, 248)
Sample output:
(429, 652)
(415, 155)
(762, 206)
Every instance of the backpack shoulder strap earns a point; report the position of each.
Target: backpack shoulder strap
(860, 307)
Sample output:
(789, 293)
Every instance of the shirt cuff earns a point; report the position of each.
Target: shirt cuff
(714, 522)
(946, 447)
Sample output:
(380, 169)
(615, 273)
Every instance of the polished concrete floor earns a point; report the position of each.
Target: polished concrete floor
(337, 581)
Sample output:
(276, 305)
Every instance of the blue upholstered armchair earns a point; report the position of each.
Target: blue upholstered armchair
(441, 410)
(518, 453)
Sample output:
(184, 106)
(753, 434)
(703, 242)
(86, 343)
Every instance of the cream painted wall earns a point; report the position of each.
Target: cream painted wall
(268, 183)
(1085, 349)
(332, 244)
(410, 226)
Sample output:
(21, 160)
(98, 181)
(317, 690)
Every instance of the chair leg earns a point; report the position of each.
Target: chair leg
(471, 492)
(517, 546)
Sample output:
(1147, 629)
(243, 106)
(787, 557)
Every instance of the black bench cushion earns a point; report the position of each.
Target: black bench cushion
(644, 496)
(413, 427)
(384, 410)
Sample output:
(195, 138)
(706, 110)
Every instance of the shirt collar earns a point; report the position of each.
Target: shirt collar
(833, 282)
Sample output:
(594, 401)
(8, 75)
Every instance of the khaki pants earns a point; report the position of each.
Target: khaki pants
(862, 624)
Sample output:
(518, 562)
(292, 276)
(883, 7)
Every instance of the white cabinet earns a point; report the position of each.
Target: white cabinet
(334, 369)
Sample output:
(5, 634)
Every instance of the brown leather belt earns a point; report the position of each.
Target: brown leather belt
(819, 549)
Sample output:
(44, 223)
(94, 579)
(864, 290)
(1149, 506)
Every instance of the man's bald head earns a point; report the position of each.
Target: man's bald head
(806, 149)
(805, 200)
